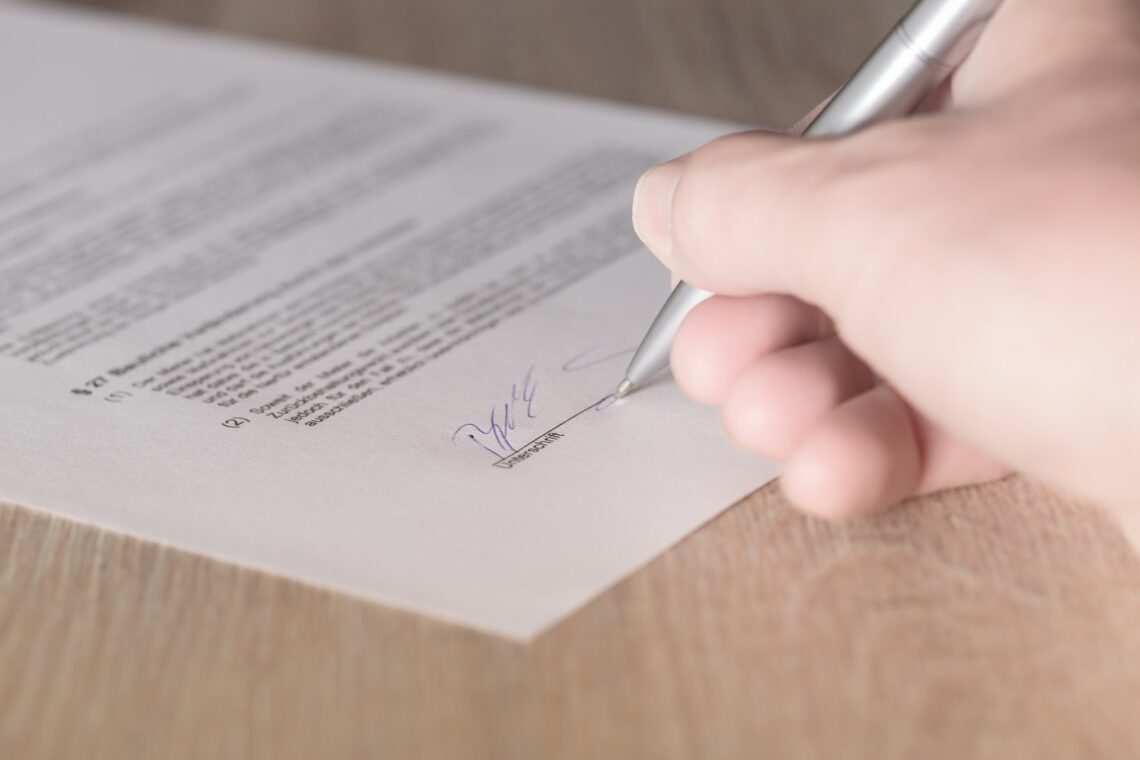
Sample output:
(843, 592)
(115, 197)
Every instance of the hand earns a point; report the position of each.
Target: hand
(935, 301)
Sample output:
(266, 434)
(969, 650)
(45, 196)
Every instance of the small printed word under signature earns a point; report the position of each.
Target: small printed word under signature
(536, 446)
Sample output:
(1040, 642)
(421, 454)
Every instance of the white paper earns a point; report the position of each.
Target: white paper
(289, 310)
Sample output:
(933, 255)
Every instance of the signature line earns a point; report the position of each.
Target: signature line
(597, 403)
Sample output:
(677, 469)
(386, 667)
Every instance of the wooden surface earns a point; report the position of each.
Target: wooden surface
(1001, 622)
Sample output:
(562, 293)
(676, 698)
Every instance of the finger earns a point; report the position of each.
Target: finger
(795, 129)
(778, 399)
(862, 458)
(947, 462)
(756, 212)
(722, 336)
(871, 453)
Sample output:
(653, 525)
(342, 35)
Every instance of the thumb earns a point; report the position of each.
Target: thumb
(764, 213)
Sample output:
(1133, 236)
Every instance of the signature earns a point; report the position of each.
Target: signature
(606, 403)
(494, 433)
(591, 358)
(494, 436)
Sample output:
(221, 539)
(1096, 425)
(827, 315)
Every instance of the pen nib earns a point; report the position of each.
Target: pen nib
(624, 389)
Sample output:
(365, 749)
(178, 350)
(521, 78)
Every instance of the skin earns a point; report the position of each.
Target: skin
(936, 301)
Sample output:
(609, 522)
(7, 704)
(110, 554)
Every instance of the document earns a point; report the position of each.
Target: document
(351, 324)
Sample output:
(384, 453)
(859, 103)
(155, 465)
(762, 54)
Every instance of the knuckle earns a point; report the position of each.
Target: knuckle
(728, 148)
(885, 188)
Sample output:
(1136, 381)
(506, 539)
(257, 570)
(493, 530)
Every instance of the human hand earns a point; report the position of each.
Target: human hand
(930, 302)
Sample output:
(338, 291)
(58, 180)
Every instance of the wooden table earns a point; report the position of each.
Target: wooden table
(997, 622)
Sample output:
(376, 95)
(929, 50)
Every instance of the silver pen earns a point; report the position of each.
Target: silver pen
(918, 55)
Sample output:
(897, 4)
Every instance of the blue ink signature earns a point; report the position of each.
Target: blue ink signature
(605, 403)
(495, 436)
(589, 358)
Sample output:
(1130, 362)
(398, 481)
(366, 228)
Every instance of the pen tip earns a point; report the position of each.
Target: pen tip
(624, 388)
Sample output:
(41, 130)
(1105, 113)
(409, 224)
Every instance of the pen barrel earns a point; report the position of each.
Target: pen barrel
(947, 30)
(923, 49)
(652, 356)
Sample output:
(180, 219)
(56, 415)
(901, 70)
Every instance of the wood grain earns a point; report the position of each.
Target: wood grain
(996, 622)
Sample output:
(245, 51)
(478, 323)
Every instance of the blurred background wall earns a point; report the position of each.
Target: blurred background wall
(756, 61)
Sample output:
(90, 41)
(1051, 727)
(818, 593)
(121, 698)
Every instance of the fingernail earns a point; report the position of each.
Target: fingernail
(653, 208)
